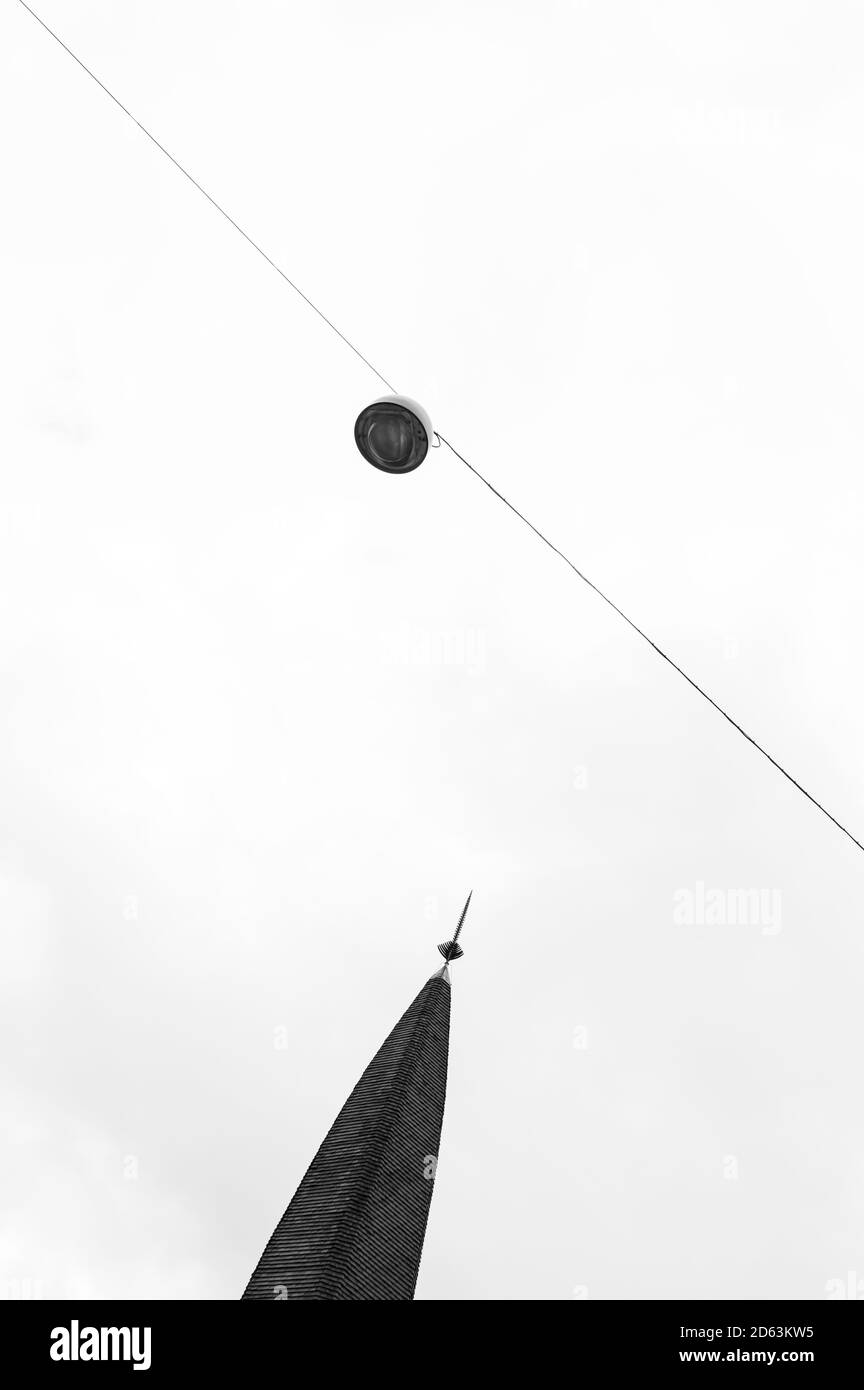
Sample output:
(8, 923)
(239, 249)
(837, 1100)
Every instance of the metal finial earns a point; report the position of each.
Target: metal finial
(451, 950)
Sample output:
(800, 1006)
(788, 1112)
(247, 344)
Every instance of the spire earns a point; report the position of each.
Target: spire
(451, 950)
(356, 1224)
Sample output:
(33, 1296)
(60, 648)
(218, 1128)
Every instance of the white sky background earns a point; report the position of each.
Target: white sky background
(268, 714)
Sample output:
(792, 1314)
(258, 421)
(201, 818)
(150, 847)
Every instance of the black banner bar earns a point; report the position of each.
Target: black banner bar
(162, 1338)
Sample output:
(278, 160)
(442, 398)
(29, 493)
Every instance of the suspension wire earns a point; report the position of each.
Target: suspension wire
(659, 650)
(208, 196)
(591, 585)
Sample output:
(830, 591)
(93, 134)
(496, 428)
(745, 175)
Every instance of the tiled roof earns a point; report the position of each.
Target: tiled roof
(355, 1227)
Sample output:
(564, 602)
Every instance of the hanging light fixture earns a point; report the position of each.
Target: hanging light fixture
(393, 434)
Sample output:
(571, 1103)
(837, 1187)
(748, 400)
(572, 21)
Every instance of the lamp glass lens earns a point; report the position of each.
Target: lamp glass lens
(390, 439)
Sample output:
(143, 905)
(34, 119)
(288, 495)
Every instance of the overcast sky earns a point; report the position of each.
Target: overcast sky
(267, 714)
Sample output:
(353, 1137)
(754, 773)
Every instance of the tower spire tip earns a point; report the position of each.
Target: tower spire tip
(451, 950)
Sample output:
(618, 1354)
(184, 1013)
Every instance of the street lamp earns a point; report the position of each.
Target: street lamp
(393, 434)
